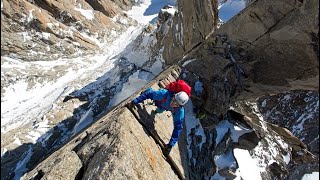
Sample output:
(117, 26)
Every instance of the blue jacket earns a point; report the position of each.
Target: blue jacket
(178, 113)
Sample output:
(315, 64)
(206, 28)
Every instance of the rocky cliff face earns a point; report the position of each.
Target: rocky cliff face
(297, 111)
(127, 143)
(274, 46)
(187, 28)
(33, 29)
(116, 147)
(268, 48)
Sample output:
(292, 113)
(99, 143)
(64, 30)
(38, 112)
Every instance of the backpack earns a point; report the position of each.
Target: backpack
(178, 86)
(175, 87)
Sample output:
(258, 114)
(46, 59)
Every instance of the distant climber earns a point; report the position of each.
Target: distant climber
(172, 98)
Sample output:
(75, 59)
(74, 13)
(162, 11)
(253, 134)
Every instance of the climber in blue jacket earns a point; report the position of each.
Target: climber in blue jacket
(167, 100)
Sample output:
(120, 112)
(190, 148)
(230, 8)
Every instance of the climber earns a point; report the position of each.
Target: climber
(172, 98)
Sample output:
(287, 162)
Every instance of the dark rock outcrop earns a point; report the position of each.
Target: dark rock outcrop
(270, 47)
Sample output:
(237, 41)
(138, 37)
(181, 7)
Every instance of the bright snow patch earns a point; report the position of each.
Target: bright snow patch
(312, 176)
(89, 14)
(236, 131)
(193, 122)
(4, 151)
(247, 166)
(25, 36)
(225, 160)
(30, 17)
(33, 135)
(170, 10)
(17, 141)
(45, 35)
(146, 11)
(137, 13)
(52, 25)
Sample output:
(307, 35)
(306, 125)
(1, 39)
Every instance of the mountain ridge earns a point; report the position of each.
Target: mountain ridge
(255, 53)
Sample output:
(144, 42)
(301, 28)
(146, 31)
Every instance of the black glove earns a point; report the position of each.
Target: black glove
(167, 149)
(130, 104)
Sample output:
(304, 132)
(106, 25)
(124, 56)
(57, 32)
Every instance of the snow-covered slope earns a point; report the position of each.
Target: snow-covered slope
(54, 88)
(45, 102)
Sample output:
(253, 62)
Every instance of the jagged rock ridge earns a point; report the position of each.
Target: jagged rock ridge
(33, 29)
(104, 147)
(234, 63)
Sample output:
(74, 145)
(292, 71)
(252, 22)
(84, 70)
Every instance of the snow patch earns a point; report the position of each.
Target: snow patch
(170, 10)
(222, 128)
(17, 141)
(42, 126)
(83, 122)
(33, 135)
(135, 82)
(247, 166)
(21, 165)
(4, 151)
(264, 103)
(52, 25)
(146, 11)
(89, 14)
(304, 117)
(30, 17)
(217, 176)
(225, 160)
(187, 62)
(198, 87)
(45, 35)
(94, 39)
(287, 158)
(193, 123)
(25, 36)
(237, 131)
(287, 97)
(312, 176)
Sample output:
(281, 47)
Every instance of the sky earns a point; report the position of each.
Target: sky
(22, 104)
(230, 9)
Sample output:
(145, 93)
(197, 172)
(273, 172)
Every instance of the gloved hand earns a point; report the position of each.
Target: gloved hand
(158, 110)
(167, 149)
(130, 104)
(148, 89)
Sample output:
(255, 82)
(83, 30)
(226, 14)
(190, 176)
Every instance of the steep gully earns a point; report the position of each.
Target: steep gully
(185, 57)
(160, 142)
